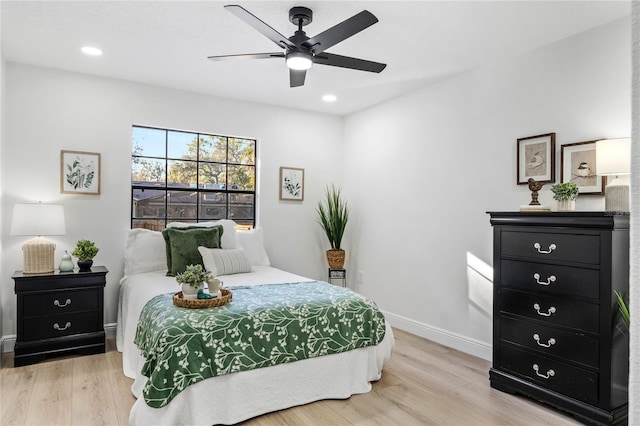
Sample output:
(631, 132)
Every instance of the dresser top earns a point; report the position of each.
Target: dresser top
(577, 219)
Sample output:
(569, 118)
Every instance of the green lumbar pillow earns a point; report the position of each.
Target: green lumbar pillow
(182, 246)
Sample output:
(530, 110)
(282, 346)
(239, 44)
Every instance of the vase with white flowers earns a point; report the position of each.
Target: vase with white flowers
(192, 280)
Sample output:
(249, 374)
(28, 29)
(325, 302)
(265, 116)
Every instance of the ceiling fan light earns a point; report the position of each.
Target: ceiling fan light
(298, 61)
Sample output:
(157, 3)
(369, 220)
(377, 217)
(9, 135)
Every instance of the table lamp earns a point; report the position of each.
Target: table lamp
(613, 158)
(38, 219)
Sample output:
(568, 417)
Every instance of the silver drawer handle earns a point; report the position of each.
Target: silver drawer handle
(57, 303)
(550, 311)
(57, 327)
(550, 373)
(551, 279)
(537, 246)
(549, 343)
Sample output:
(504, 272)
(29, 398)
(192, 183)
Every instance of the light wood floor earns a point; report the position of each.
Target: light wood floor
(423, 384)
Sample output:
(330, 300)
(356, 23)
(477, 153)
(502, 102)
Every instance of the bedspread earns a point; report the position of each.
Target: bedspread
(263, 326)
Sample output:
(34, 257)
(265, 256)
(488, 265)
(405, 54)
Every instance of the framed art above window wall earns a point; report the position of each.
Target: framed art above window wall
(191, 177)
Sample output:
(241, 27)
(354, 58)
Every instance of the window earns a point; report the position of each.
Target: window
(191, 177)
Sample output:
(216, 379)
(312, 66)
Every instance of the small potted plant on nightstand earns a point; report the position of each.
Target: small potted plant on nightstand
(85, 251)
(565, 194)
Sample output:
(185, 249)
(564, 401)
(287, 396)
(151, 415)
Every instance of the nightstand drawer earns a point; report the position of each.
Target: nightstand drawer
(551, 246)
(60, 302)
(46, 327)
(551, 341)
(551, 279)
(552, 374)
(551, 310)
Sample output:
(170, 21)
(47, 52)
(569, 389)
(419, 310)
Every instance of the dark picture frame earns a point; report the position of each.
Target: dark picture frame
(291, 184)
(536, 158)
(578, 165)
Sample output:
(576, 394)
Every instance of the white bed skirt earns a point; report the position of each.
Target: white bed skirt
(240, 396)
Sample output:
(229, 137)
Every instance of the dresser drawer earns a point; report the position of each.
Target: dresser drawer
(51, 326)
(551, 246)
(60, 302)
(551, 341)
(552, 374)
(551, 310)
(551, 279)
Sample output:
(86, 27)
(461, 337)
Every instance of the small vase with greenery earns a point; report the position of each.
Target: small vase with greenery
(565, 194)
(333, 215)
(85, 251)
(192, 280)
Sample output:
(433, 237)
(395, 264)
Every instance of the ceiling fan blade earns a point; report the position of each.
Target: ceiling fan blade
(247, 56)
(260, 26)
(340, 32)
(296, 78)
(348, 62)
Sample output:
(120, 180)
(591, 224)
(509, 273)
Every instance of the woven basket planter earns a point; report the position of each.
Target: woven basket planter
(335, 257)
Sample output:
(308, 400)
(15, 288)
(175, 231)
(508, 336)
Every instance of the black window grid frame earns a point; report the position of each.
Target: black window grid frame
(165, 218)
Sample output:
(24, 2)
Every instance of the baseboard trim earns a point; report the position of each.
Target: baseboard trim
(7, 343)
(444, 337)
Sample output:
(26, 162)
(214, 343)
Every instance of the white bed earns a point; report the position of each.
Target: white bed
(239, 396)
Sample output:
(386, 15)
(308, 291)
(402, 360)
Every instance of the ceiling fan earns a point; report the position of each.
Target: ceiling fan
(300, 51)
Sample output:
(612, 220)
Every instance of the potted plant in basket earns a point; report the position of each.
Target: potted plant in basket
(192, 280)
(333, 215)
(565, 194)
(85, 251)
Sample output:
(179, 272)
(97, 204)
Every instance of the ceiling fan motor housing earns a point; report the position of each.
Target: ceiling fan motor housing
(300, 16)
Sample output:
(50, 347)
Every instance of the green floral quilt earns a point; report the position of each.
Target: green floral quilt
(263, 326)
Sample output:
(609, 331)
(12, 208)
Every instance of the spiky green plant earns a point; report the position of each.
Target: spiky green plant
(333, 215)
(622, 306)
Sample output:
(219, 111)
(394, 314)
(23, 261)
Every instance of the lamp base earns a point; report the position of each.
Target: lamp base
(38, 256)
(616, 195)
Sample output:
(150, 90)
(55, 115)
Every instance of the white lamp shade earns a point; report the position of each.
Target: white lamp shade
(613, 156)
(38, 219)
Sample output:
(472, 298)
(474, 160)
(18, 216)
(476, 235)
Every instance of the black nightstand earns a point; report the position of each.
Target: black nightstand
(59, 312)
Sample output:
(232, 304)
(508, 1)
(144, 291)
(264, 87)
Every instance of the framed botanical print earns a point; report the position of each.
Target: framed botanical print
(578, 165)
(79, 172)
(291, 184)
(536, 158)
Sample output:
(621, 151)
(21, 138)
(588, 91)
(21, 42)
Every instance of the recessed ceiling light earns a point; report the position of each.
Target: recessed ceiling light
(93, 51)
(329, 98)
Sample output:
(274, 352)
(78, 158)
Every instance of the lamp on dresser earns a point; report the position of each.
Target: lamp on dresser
(613, 158)
(38, 219)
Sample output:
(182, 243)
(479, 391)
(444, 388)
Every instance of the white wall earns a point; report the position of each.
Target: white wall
(634, 291)
(422, 170)
(48, 110)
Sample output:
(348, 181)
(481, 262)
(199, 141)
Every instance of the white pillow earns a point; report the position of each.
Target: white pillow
(228, 240)
(145, 252)
(224, 262)
(252, 242)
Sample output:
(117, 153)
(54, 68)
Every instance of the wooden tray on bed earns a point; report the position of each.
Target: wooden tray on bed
(226, 297)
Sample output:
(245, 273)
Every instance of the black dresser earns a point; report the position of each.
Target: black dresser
(59, 312)
(557, 332)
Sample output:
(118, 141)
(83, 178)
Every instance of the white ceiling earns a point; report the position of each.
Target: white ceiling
(166, 43)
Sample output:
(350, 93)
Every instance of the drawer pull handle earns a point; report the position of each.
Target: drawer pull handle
(551, 279)
(537, 246)
(550, 373)
(57, 327)
(550, 311)
(57, 303)
(549, 343)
